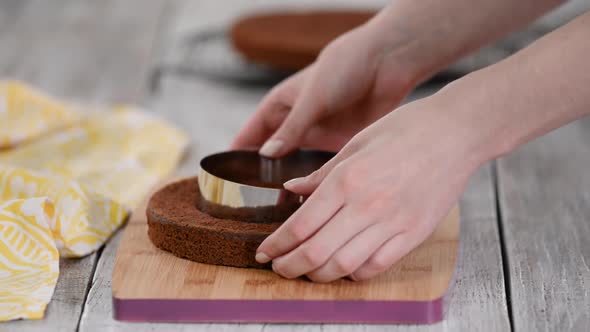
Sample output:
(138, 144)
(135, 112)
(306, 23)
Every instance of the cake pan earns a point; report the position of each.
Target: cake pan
(243, 185)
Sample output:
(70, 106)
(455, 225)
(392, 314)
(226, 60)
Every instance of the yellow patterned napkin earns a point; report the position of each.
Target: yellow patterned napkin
(68, 179)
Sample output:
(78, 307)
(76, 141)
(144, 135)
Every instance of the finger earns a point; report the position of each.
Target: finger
(260, 127)
(352, 255)
(317, 250)
(389, 253)
(271, 112)
(303, 115)
(302, 224)
(306, 185)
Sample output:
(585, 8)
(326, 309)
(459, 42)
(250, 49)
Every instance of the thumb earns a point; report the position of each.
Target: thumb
(307, 184)
(289, 135)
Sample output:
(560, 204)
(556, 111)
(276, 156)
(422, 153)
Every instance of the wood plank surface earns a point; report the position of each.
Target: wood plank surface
(10, 13)
(88, 50)
(101, 50)
(478, 301)
(94, 51)
(544, 191)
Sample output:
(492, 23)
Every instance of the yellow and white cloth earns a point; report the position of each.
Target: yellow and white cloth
(68, 179)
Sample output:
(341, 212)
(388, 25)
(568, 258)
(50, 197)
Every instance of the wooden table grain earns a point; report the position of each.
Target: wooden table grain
(525, 219)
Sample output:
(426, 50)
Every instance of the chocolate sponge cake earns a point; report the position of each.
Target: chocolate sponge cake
(177, 226)
(291, 40)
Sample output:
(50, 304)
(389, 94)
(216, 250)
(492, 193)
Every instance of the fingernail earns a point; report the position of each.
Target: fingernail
(262, 258)
(352, 277)
(294, 182)
(274, 269)
(271, 148)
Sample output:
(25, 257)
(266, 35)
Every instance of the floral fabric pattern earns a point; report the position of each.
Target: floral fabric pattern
(68, 179)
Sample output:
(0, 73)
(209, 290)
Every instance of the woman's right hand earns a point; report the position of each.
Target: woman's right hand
(353, 83)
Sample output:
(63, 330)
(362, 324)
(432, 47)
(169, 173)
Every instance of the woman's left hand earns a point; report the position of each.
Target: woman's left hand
(377, 199)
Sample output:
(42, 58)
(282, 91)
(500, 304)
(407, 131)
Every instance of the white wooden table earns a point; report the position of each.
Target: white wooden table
(525, 250)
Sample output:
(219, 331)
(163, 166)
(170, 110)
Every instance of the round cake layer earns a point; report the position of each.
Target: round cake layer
(291, 40)
(177, 226)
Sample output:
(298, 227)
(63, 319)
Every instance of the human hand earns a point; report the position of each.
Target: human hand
(377, 199)
(323, 106)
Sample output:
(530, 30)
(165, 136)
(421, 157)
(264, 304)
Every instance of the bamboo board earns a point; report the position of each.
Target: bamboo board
(150, 284)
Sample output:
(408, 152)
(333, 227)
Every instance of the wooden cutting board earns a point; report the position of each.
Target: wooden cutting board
(150, 284)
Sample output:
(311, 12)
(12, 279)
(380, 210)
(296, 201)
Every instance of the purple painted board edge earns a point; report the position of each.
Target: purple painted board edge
(278, 311)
